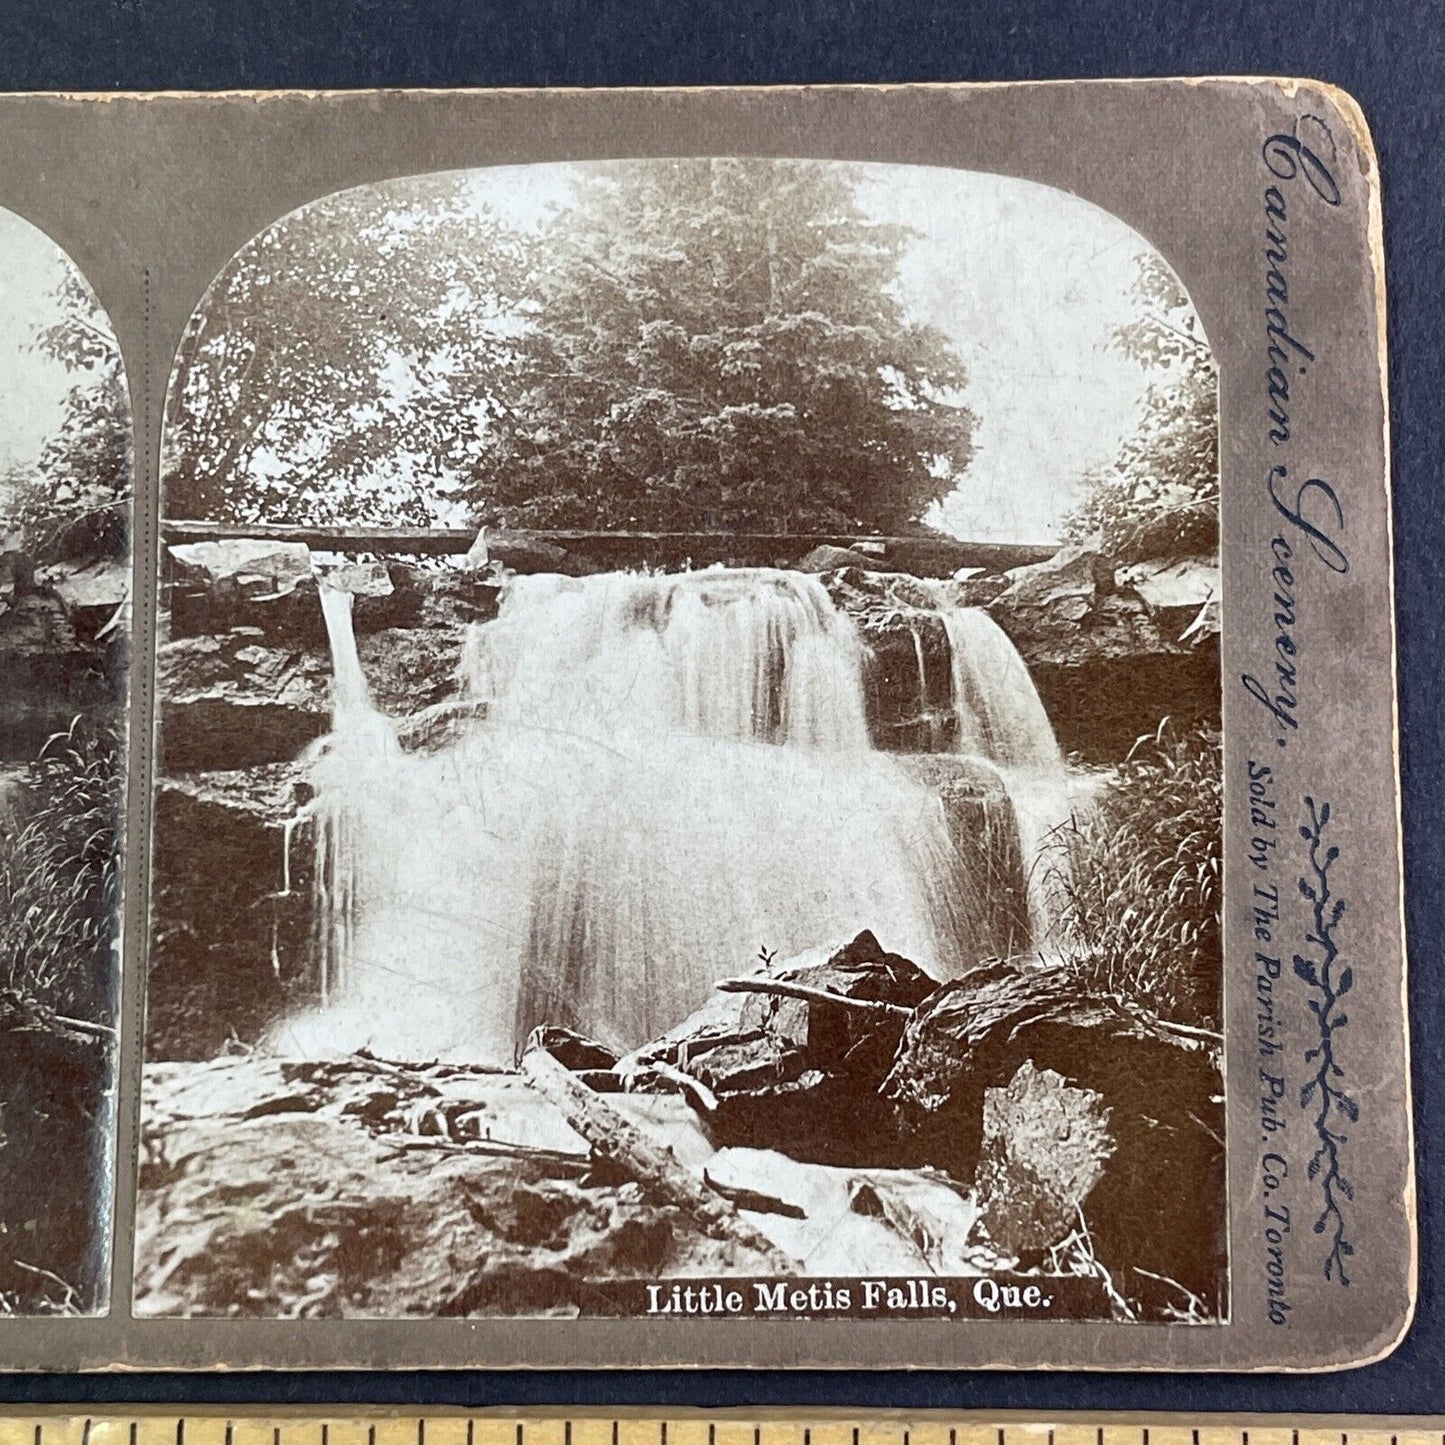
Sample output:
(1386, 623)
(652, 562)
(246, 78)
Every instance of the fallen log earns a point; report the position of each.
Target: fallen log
(929, 554)
(616, 1141)
(784, 988)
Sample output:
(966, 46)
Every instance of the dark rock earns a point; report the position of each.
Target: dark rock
(830, 559)
(57, 1090)
(573, 1050)
(991, 919)
(1106, 670)
(1160, 1205)
(524, 553)
(800, 1074)
(51, 671)
(234, 701)
(910, 662)
(229, 945)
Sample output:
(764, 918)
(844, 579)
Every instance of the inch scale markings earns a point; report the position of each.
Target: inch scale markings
(58, 1427)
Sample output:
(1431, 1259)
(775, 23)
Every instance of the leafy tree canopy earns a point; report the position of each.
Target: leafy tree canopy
(75, 503)
(717, 344)
(1160, 497)
(687, 345)
(342, 366)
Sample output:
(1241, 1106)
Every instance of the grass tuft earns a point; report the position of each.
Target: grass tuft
(60, 875)
(1139, 880)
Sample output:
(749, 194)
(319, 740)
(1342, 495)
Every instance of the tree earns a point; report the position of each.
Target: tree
(1160, 497)
(76, 503)
(717, 344)
(341, 367)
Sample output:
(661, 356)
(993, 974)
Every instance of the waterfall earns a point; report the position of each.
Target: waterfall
(1000, 717)
(665, 776)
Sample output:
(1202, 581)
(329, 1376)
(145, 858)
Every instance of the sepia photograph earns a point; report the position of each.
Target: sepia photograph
(688, 772)
(65, 495)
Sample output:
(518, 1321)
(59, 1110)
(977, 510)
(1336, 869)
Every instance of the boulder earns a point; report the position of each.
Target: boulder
(1045, 1145)
(1158, 1209)
(1106, 668)
(353, 1189)
(1184, 595)
(94, 594)
(798, 1073)
(829, 559)
(522, 552)
(253, 564)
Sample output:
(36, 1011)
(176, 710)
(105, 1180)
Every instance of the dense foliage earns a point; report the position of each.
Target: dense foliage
(686, 345)
(345, 364)
(1141, 889)
(1160, 497)
(717, 345)
(75, 504)
(60, 876)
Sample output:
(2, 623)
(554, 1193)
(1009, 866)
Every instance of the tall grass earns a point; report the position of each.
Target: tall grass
(60, 876)
(1141, 892)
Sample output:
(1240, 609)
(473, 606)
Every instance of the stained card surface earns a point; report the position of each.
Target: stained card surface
(762, 730)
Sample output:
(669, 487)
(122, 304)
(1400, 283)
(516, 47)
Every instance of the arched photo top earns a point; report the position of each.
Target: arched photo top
(65, 498)
(751, 345)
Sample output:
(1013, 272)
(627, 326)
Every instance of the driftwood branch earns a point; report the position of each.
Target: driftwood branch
(785, 988)
(615, 1140)
(82, 1026)
(758, 1202)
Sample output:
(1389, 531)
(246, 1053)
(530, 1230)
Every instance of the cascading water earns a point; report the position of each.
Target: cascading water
(668, 774)
(1001, 718)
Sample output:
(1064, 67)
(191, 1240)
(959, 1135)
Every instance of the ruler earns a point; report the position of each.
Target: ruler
(60, 1425)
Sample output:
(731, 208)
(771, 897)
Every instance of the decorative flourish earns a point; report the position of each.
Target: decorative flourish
(1331, 983)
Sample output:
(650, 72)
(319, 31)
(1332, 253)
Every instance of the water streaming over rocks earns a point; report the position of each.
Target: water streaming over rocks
(665, 775)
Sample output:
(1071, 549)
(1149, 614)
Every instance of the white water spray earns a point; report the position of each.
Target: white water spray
(669, 774)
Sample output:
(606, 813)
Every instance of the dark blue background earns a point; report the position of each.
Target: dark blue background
(1390, 55)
